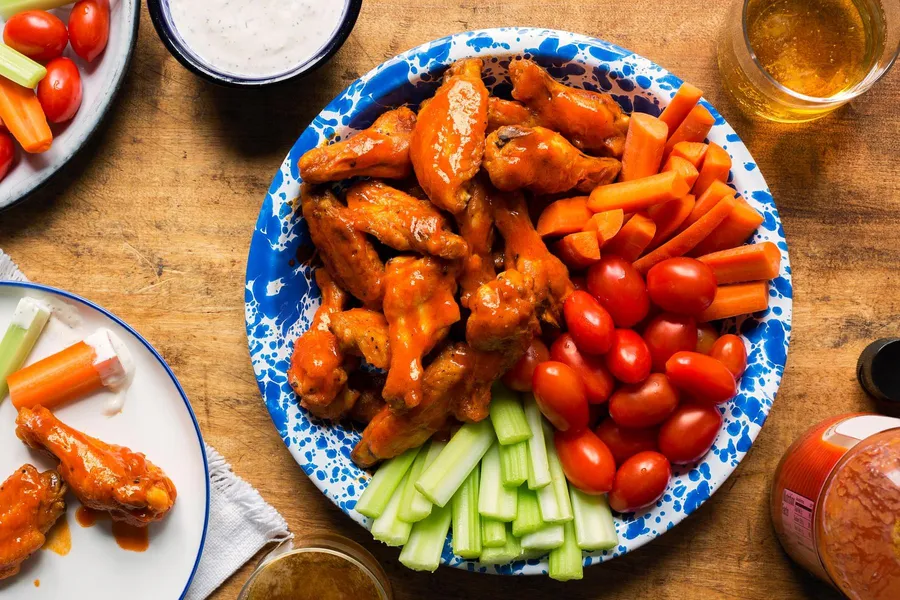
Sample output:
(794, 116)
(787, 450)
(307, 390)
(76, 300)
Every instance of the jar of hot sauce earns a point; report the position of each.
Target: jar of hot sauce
(836, 504)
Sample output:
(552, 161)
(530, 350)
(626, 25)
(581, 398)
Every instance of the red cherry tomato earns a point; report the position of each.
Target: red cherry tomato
(37, 34)
(682, 285)
(640, 482)
(689, 433)
(588, 322)
(706, 338)
(702, 377)
(644, 404)
(629, 358)
(667, 334)
(586, 461)
(560, 396)
(89, 28)
(598, 381)
(7, 153)
(730, 351)
(60, 91)
(519, 377)
(620, 289)
(623, 442)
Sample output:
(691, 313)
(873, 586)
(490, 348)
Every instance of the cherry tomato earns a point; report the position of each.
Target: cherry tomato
(689, 433)
(702, 377)
(7, 153)
(629, 358)
(60, 91)
(89, 28)
(667, 334)
(623, 442)
(37, 34)
(730, 351)
(589, 323)
(706, 337)
(643, 404)
(519, 377)
(682, 285)
(640, 481)
(598, 381)
(560, 395)
(620, 289)
(586, 461)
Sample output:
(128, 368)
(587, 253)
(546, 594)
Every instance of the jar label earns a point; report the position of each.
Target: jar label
(797, 518)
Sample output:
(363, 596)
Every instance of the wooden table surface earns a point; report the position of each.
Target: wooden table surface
(154, 220)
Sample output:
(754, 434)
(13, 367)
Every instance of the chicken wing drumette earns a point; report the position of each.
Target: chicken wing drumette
(364, 333)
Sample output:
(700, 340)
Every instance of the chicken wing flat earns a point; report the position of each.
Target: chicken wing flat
(362, 332)
(402, 222)
(509, 112)
(503, 313)
(476, 226)
(543, 161)
(102, 476)
(30, 503)
(349, 256)
(448, 142)
(382, 150)
(593, 121)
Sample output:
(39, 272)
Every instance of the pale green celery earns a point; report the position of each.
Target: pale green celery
(514, 464)
(426, 541)
(509, 551)
(465, 517)
(556, 507)
(20, 69)
(413, 505)
(493, 533)
(21, 335)
(388, 528)
(528, 516)
(548, 537)
(538, 468)
(594, 526)
(495, 501)
(9, 8)
(384, 483)
(566, 561)
(508, 416)
(463, 452)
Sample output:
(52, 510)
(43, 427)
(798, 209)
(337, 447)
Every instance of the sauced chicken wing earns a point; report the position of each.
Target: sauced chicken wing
(30, 503)
(487, 368)
(476, 226)
(370, 402)
(402, 222)
(102, 476)
(363, 332)
(382, 150)
(502, 313)
(509, 112)
(448, 142)
(350, 257)
(543, 161)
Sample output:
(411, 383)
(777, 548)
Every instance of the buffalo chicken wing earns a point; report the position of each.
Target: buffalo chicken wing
(362, 332)
(476, 226)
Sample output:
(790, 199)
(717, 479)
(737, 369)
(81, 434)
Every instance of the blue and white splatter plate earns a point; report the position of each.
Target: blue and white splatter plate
(281, 299)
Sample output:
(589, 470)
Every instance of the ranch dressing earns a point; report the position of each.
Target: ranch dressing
(256, 38)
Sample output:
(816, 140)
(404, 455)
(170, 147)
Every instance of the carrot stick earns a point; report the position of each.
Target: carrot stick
(633, 239)
(753, 262)
(23, 116)
(562, 217)
(715, 168)
(644, 145)
(706, 201)
(638, 194)
(685, 241)
(578, 250)
(738, 299)
(606, 224)
(693, 152)
(693, 129)
(669, 217)
(680, 106)
(733, 231)
(683, 167)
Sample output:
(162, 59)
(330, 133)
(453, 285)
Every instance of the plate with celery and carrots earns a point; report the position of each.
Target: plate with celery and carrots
(518, 301)
(103, 474)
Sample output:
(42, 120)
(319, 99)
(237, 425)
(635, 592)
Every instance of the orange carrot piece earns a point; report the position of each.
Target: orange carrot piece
(606, 225)
(693, 152)
(578, 250)
(633, 239)
(753, 262)
(693, 129)
(715, 168)
(23, 116)
(680, 106)
(61, 377)
(706, 201)
(669, 217)
(638, 194)
(738, 299)
(688, 239)
(565, 216)
(644, 145)
(683, 167)
(733, 231)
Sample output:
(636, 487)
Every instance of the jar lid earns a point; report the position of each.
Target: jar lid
(878, 370)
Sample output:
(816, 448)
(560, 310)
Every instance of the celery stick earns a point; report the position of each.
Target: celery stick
(538, 468)
(548, 537)
(9, 8)
(493, 533)
(383, 484)
(528, 516)
(25, 328)
(466, 520)
(594, 526)
(494, 500)
(426, 541)
(509, 551)
(556, 507)
(17, 67)
(508, 416)
(413, 505)
(514, 464)
(442, 478)
(388, 528)
(566, 561)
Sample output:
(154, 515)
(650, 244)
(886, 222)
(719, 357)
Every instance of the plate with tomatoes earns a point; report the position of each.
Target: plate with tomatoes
(70, 61)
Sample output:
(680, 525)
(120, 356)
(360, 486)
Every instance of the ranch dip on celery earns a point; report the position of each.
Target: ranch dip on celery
(256, 38)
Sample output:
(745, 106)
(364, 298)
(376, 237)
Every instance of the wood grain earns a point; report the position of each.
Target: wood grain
(153, 221)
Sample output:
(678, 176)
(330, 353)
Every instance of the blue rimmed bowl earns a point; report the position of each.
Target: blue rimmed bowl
(281, 298)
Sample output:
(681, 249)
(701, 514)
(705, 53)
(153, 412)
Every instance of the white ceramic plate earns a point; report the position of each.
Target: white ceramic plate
(156, 420)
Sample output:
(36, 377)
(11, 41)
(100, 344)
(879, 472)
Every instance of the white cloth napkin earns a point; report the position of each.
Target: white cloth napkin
(240, 521)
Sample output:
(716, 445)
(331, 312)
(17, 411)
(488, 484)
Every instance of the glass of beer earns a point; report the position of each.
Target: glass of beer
(797, 60)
